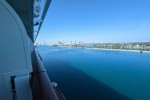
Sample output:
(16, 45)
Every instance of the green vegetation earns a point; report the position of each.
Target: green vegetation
(126, 46)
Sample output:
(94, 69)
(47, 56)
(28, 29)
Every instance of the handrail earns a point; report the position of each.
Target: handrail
(42, 88)
(45, 9)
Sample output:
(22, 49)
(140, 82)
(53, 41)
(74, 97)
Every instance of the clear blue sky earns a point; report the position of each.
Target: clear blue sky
(97, 21)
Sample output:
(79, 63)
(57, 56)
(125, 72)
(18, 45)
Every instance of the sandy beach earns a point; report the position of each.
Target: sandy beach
(110, 49)
(119, 50)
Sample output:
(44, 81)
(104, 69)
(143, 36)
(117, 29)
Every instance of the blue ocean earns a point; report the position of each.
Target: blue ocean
(84, 74)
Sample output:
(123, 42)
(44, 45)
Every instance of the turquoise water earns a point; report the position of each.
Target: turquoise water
(84, 74)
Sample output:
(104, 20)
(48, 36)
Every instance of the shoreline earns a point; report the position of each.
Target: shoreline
(110, 49)
(139, 51)
(119, 50)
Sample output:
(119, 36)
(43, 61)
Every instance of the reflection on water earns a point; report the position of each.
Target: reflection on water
(98, 75)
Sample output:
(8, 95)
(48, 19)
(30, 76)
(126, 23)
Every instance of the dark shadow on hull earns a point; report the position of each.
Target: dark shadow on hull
(77, 85)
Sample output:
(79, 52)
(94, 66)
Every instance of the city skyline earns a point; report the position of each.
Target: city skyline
(99, 21)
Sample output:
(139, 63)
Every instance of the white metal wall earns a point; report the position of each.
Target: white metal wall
(15, 59)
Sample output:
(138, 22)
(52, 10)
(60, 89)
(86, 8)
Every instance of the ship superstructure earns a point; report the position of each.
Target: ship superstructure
(22, 75)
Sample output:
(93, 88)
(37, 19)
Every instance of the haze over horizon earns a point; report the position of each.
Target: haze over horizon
(97, 21)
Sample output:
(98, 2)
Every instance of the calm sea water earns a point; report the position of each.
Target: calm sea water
(84, 74)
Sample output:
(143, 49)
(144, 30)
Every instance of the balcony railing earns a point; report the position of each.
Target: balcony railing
(40, 10)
